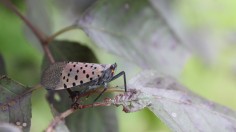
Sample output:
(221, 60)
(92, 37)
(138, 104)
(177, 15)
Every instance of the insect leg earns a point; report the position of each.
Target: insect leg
(113, 78)
(117, 76)
(105, 88)
(72, 94)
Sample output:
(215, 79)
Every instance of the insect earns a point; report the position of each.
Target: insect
(65, 75)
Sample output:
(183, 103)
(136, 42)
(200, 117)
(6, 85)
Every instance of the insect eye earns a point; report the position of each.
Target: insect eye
(112, 67)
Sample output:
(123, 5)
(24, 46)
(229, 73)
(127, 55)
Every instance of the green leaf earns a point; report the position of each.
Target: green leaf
(137, 31)
(71, 51)
(177, 107)
(93, 119)
(15, 103)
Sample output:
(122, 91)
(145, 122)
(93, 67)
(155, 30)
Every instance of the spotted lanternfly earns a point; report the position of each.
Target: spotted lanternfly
(64, 75)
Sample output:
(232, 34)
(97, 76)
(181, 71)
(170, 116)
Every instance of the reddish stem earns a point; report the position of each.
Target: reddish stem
(36, 31)
(48, 53)
(65, 114)
(41, 37)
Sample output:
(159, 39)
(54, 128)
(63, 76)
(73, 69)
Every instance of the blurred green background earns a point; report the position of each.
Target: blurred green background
(215, 81)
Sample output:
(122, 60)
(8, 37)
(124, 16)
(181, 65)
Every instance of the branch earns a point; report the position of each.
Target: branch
(12, 101)
(36, 31)
(65, 29)
(40, 36)
(36, 87)
(117, 101)
(58, 119)
(106, 102)
(68, 112)
(48, 53)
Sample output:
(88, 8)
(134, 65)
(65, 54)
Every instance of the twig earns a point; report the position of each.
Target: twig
(36, 87)
(63, 115)
(117, 101)
(12, 102)
(48, 53)
(68, 28)
(58, 119)
(36, 31)
(40, 36)
(110, 90)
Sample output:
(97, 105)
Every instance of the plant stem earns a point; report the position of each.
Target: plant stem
(48, 53)
(40, 36)
(62, 116)
(56, 120)
(12, 102)
(68, 28)
(36, 31)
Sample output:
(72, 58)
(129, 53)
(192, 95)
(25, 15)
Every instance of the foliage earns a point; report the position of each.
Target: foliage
(15, 103)
(147, 33)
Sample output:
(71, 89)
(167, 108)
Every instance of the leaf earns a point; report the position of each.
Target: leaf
(71, 51)
(15, 103)
(5, 127)
(73, 8)
(137, 31)
(94, 119)
(177, 107)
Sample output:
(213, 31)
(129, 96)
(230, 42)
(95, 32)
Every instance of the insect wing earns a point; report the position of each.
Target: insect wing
(63, 75)
(76, 73)
(51, 77)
